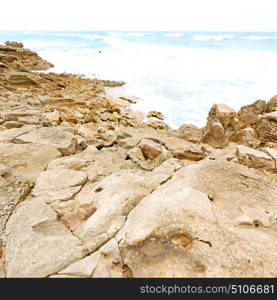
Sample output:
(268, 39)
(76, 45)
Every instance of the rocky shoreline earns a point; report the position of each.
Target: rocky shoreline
(91, 188)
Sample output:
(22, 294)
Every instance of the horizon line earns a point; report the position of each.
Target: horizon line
(134, 30)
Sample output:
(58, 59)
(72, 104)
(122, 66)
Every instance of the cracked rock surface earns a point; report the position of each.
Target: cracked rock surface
(88, 190)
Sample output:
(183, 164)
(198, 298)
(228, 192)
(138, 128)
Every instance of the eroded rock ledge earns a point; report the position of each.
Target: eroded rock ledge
(91, 188)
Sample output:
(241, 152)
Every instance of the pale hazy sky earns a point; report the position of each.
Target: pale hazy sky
(171, 15)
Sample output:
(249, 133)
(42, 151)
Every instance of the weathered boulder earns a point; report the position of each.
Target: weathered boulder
(106, 262)
(272, 104)
(214, 135)
(248, 137)
(37, 243)
(249, 114)
(59, 185)
(13, 189)
(27, 159)
(266, 128)
(21, 79)
(148, 154)
(255, 158)
(65, 142)
(209, 218)
(10, 134)
(189, 132)
(222, 126)
(114, 197)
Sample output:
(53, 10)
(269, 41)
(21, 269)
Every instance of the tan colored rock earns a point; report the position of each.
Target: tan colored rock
(22, 79)
(13, 189)
(222, 113)
(254, 158)
(155, 114)
(12, 124)
(214, 135)
(83, 267)
(194, 225)
(114, 197)
(129, 142)
(107, 161)
(27, 159)
(106, 262)
(249, 114)
(266, 128)
(190, 151)
(222, 126)
(10, 134)
(148, 154)
(65, 142)
(273, 153)
(37, 244)
(13, 115)
(272, 104)
(190, 133)
(59, 185)
(150, 149)
(53, 117)
(248, 137)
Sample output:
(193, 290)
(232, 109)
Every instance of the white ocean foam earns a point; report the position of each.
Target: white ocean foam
(43, 44)
(205, 37)
(184, 89)
(115, 34)
(137, 34)
(92, 37)
(173, 35)
(259, 38)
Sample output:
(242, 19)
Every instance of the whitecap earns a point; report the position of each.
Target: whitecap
(258, 37)
(114, 34)
(218, 37)
(173, 35)
(137, 34)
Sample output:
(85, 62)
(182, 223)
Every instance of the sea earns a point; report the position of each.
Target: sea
(181, 74)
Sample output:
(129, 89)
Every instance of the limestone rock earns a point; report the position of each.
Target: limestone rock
(27, 159)
(129, 142)
(114, 197)
(155, 114)
(222, 126)
(194, 225)
(266, 128)
(214, 135)
(65, 142)
(249, 114)
(190, 151)
(222, 113)
(148, 154)
(37, 244)
(59, 185)
(248, 137)
(272, 104)
(254, 158)
(10, 134)
(190, 133)
(13, 189)
(22, 79)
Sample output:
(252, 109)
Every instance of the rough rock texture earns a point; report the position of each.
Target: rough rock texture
(255, 159)
(37, 243)
(205, 209)
(89, 190)
(27, 159)
(63, 141)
